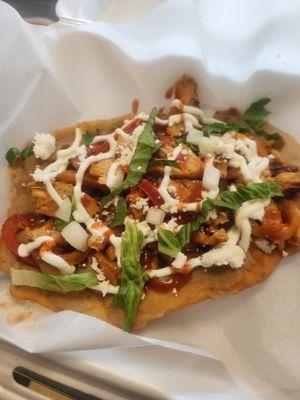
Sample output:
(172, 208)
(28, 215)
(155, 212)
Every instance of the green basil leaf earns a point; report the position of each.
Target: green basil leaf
(192, 146)
(140, 159)
(156, 147)
(54, 283)
(11, 155)
(216, 127)
(27, 151)
(87, 139)
(250, 191)
(169, 243)
(133, 276)
(120, 215)
(256, 113)
(166, 163)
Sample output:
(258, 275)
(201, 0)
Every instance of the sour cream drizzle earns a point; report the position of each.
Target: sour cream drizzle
(25, 249)
(62, 159)
(250, 163)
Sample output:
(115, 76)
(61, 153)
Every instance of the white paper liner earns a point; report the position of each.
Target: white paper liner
(52, 77)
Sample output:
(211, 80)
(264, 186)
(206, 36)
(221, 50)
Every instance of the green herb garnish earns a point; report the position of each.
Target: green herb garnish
(87, 139)
(255, 117)
(170, 243)
(120, 215)
(13, 153)
(133, 276)
(140, 159)
(192, 146)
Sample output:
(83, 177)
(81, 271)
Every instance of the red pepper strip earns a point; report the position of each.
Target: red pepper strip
(101, 147)
(152, 192)
(132, 125)
(10, 230)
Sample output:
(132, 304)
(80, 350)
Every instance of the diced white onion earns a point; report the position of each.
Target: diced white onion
(76, 236)
(211, 176)
(64, 210)
(155, 216)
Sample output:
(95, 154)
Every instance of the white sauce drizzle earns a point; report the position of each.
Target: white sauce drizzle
(254, 209)
(62, 159)
(25, 249)
(57, 262)
(250, 163)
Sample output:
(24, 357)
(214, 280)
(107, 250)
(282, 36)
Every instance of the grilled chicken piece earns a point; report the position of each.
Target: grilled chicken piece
(289, 182)
(110, 269)
(186, 90)
(48, 229)
(274, 228)
(186, 190)
(42, 202)
(176, 130)
(100, 170)
(134, 195)
(90, 204)
(212, 237)
(89, 181)
(190, 165)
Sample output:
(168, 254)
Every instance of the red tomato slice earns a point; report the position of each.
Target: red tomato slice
(132, 125)
(152, 192)
(97, 148)
(10, 230)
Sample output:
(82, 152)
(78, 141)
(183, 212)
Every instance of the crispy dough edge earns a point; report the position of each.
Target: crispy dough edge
(202, 285)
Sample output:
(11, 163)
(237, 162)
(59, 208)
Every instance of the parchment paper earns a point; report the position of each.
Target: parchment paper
(52, 77)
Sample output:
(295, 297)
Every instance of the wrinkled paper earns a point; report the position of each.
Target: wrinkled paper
(55, 76)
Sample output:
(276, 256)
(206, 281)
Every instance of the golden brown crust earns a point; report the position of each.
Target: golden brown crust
(202, 286)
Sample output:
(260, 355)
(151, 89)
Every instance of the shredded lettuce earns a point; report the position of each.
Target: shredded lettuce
(133, 276)
(250, 191)
(140, 160)
(170, 244)
(120, 215)
(54, 283)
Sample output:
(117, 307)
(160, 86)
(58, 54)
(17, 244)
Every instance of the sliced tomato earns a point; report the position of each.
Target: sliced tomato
(11, 227)
(97, 148)
(152, 192)
(132, 125)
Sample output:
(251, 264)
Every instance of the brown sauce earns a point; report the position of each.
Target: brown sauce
(169, 283)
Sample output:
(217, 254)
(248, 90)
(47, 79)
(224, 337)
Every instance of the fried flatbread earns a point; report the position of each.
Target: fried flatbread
(201, 284)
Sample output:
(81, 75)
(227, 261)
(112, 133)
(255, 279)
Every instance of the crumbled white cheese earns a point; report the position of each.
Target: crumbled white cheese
(179, 261)
(44, 145)
(231, 255)
(142, 204)
(95, 267)
(171, 225)
(106, 287)
(149, 234)
(265, 245)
